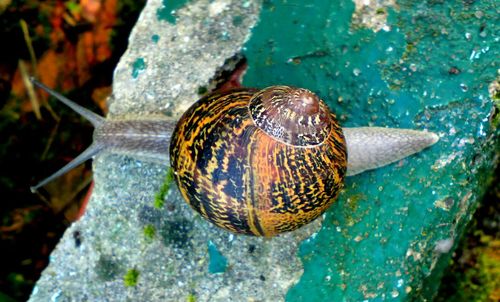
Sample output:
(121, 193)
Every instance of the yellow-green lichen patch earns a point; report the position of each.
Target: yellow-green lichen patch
(494, 90)
(191, 298)
(149, 232)
(159, 201)
(477, 276)
(131, 277)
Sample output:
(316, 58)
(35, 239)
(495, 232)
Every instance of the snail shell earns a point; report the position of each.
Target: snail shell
(259, 162)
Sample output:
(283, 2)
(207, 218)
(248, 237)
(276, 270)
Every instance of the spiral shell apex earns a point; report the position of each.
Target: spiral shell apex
(259, 162)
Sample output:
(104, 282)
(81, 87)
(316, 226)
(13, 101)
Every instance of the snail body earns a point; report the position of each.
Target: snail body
(255, 162)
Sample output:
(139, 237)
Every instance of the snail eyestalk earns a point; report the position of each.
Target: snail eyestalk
(96, 120)
(147, 139)
(83, 157)
(93, 118)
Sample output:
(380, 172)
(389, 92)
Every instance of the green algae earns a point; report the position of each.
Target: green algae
(149, 232)
(431, 70)
(131, 278)
(160, 196)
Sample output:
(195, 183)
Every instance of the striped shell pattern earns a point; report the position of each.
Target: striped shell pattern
(259, 162)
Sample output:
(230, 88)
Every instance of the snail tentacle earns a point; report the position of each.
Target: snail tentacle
(83, 157)
(373, 147)
(147, 139)
(92, 117)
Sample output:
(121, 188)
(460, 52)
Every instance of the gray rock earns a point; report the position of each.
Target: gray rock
(128, 249)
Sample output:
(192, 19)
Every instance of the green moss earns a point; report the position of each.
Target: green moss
(482, 283)
(191, 298)
(495, 94)
(73, 7)
(149, 232)
(131, 277)
(165, 188)
(159, 202)
(5, 298)
(479, 280)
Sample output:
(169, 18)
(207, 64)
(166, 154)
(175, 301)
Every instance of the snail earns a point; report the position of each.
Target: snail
(255, 162)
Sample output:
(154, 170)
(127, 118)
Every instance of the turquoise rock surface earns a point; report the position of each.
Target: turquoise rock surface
(391, 233)
(218, 263)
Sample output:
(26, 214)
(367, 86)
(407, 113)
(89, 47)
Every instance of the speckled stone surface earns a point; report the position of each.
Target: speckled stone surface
(128, 248)
(175, 49)
(389, 236)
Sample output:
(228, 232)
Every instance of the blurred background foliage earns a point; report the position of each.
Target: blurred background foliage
(474, 272)
(73, 47)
